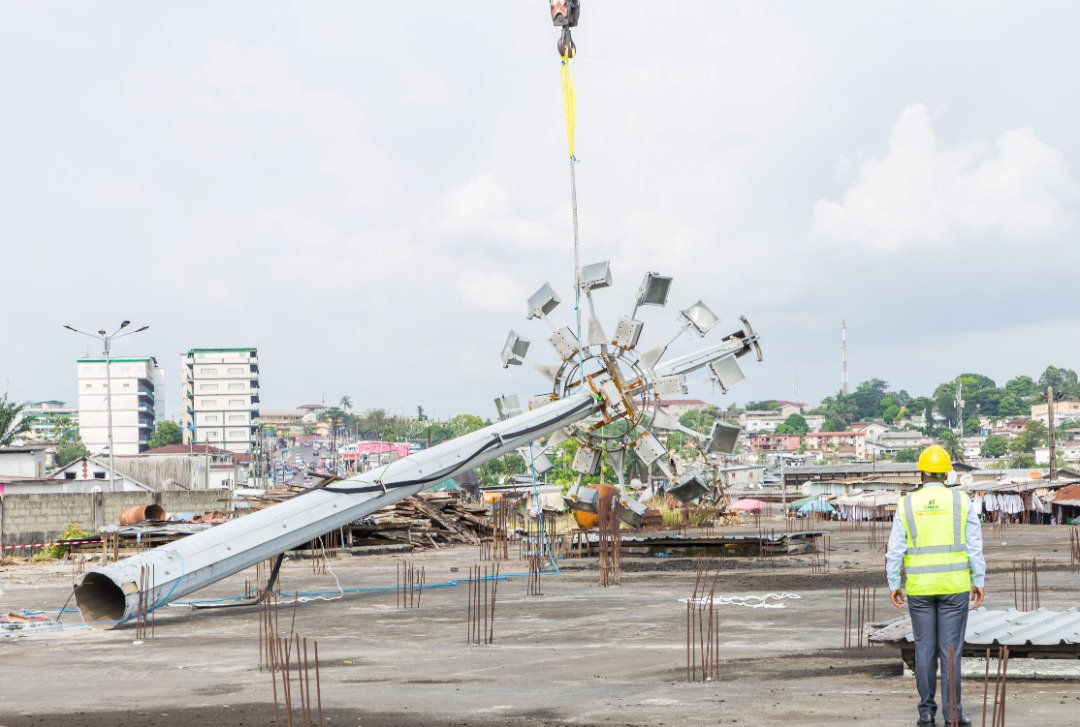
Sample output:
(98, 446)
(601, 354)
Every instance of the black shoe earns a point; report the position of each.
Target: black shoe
(925, 721)
(965, 721)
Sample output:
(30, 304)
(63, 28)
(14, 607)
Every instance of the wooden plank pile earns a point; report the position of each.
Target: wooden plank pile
(425, 521)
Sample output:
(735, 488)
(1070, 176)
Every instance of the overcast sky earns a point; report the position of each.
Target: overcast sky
(368, 192)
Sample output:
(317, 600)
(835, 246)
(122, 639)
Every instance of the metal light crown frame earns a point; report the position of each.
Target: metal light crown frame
(629, 386)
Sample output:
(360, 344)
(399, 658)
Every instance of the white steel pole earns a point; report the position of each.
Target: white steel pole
(108, 406)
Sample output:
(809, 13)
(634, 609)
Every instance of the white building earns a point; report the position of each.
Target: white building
(25, 461)
(220, 397)
(134, 384)
(889, 443)
(1070, 451)
(46, 418)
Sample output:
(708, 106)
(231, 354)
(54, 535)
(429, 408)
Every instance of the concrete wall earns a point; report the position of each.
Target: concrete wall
(40, 518)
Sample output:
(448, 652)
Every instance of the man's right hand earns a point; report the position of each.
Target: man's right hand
(977, 596)
(897, 598)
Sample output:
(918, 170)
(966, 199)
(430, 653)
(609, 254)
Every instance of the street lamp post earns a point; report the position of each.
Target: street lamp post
(107, 342)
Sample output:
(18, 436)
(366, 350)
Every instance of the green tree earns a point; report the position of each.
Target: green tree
(794, 424)
(700, 420)
(64, 429)
(12, 422)
(980, 393)
(464, 424)
(70, 451)
(1018, 395)
(765, 405)
(839, 408)
(1022, 461)
(165, 433)
(947, 438)
(995, 446)
(345, 402)
(923, 405)
(1034, 435)
(832, 424)
(907, 454)
(867, 397)
(1065, 383)
(972, 426)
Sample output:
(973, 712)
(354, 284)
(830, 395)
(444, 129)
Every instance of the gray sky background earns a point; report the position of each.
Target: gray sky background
(368, 192)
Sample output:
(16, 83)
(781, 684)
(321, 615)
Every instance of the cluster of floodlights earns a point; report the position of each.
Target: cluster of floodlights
(627, 385)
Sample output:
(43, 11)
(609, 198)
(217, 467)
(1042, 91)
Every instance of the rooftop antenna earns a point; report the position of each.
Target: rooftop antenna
(795, 389)
(843, 356)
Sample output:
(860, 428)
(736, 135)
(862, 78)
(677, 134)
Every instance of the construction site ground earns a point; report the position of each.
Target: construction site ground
(579, 654)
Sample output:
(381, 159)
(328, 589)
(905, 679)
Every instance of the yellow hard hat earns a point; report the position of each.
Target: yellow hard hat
(934, 459)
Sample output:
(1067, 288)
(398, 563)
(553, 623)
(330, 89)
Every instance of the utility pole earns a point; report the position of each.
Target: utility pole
(843, 356)
(960, 405)
(107, 340)
(1050, 428)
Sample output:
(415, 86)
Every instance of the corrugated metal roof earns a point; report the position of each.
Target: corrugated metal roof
(1068, 496)
(1007, 628)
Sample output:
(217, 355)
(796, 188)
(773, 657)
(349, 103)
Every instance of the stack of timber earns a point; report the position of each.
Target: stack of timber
(425, 521)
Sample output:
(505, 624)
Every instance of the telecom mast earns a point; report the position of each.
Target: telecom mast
(843, 356)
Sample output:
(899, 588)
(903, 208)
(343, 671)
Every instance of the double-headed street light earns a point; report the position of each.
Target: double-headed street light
(107, 341)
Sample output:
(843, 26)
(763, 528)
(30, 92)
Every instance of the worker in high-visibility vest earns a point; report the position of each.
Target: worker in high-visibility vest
(937, 537)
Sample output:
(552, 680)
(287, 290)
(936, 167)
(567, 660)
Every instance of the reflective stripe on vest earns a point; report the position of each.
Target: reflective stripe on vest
(933, 564)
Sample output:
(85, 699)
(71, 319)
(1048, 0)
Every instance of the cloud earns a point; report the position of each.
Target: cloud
(490, 291)
(923, 192)
(479, 212)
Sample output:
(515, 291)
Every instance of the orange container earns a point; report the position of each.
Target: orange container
(589, 520)
(490, 498)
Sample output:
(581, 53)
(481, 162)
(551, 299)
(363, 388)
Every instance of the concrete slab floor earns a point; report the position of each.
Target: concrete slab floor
(577, 655)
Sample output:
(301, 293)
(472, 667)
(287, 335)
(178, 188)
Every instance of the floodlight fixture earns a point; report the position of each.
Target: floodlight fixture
(631, 512)
(654, 290)
(514, 350)
(541, 463)
(564, 342)
(670, 386)
(582, 498)
(125, 324)
(649, 449)
(722, 438)
(596, 275)
(688, 488)
(726, 372)
(586, 460)
(627, 332)
(507, 406)
(101, 332)
(542, 302)
(535, 402)
(140, 330)
(699, 317)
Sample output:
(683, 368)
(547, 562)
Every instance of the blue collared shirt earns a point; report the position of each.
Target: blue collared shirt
(894, 556)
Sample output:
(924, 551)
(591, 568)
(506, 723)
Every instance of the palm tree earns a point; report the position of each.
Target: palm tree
(12, 423)
(952, 445)
(345, 402)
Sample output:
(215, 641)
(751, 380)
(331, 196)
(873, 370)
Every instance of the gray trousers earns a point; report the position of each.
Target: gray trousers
(936, 622)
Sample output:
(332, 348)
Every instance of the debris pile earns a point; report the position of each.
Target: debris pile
(424, 521)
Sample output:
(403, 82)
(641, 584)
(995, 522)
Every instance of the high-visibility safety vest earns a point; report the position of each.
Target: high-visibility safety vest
(936, 560)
